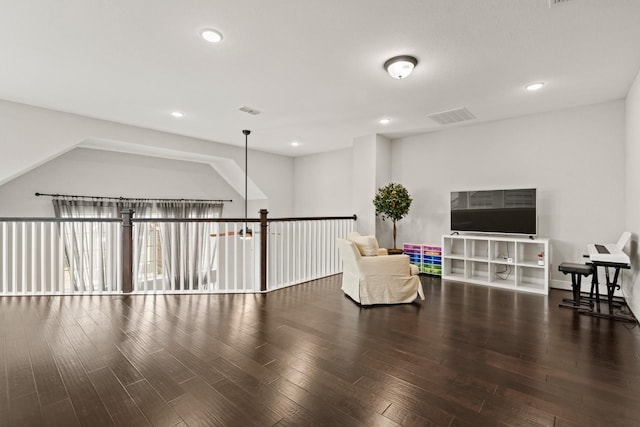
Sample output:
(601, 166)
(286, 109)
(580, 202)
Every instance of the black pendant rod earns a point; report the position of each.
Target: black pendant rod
(246, 233)
(246, 168)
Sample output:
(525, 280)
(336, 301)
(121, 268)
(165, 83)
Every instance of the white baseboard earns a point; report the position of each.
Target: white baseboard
(561, 284)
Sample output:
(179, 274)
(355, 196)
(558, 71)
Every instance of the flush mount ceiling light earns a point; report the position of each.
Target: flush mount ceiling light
(399, 67)
(212, 36)
(534, 86)
(384, 121)
(177, 114)
(295, 144)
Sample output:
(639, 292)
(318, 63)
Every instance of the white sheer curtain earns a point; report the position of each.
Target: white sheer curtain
(188, 251)
(85, 244)
(141, 236)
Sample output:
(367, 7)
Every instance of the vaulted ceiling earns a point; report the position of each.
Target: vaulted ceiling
(313, 69)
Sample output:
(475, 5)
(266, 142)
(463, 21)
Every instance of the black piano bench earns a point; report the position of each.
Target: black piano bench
(577, 271)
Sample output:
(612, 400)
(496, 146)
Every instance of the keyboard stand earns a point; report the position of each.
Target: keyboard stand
(614, 303)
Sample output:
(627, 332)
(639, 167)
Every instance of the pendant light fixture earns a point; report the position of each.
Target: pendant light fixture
(399, 67)
(246, 232)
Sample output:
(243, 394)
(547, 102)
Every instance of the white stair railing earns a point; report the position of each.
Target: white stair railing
(304, 249)
(53, 256)
(194, 256)
(58, 256)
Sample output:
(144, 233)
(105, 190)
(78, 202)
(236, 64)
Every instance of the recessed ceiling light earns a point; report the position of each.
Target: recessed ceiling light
(177, 114)
(212, 36)
(534, 86)
(384, 121)
(295, 144)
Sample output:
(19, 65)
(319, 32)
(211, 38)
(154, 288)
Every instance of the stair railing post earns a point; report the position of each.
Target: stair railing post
(127, 251)
(263, 249)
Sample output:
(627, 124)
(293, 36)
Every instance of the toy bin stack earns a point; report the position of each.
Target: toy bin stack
(427, 256)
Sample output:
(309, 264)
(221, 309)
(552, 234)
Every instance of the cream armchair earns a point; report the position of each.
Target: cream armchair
(378, 279)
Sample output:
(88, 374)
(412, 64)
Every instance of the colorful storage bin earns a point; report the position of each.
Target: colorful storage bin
(427, 256)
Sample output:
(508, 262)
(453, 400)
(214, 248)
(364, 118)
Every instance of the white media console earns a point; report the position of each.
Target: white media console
(503, 262)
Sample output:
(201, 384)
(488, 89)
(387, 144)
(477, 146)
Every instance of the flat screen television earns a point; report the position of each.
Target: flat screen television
(495, 211)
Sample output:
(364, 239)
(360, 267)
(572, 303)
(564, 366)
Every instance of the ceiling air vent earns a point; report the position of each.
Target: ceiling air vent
(452, 116)
(553, 3)
(249, 110)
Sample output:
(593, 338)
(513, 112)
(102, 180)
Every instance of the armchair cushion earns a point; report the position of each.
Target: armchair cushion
(367, 245)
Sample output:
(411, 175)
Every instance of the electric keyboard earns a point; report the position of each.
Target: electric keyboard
(607, 253)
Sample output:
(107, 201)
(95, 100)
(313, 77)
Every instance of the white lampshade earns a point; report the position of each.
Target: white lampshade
(399, 67)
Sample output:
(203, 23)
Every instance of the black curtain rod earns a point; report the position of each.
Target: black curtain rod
(137, 199)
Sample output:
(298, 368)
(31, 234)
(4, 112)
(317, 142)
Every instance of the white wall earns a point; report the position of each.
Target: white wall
(30, 137)
(383, 161)
(631, 283)
(363, 169)
(323, 184)
(96, 172)
(384, 228)
(575, 158)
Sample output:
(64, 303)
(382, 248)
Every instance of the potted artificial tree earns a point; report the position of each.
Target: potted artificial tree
(393, 202)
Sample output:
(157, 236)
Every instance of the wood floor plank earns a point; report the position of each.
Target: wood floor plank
(245, 363)
(569, 410)
(172, 366)
(235, 373)
(194, 413)
(121, 407)
(151, 370)
(289, 367)
(515, 413)
(237, 386)
(58, 341)
(204, 404)
(87, 353)
(428, 403)
(100, 339)
(202, 369)
(144, 341)
(323, 413)
(60, 414)
(122, 368)
(4, 390)
(243, 400)
(20, 379)
(157, 411)
(466, 395)
(47, 378)
(87, 403)
(407, 418)
(343, 396)
(25, 411)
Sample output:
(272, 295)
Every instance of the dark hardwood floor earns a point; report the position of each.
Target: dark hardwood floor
(308, 355)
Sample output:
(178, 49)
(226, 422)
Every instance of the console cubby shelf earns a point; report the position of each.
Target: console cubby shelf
(503, 262)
